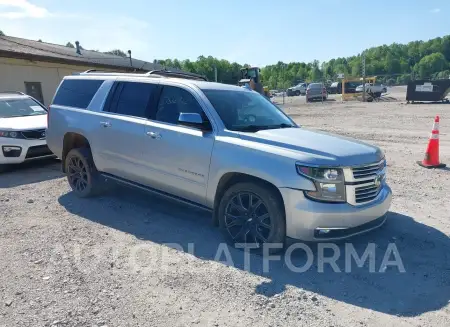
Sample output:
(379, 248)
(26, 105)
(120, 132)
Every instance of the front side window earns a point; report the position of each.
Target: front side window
(173, 101)
(247, 111)
(10, 108)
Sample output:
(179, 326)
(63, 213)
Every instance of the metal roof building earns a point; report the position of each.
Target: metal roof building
(36, 68)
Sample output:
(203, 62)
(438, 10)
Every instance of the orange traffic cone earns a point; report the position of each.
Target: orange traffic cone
(431, 159)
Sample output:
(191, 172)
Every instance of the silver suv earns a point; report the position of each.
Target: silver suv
(219, 147)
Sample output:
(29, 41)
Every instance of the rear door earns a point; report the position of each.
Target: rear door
(178, 157)
(121, 129)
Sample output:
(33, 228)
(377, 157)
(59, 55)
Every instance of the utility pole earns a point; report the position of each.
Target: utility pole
(323, 80)
(215, 73)
(363, 64)
(284, 91)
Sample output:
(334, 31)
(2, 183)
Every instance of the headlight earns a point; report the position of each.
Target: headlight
(10, 134)
(329, 183)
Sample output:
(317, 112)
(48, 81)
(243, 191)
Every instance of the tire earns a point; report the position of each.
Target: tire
(79, 162)
(265, 223)
(297, 93)
(3, 168)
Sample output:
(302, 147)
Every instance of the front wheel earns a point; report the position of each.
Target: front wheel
(252, 215)
(3, 168)
(297, 93)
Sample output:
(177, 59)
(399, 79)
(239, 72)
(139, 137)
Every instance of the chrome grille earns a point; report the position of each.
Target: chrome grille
(367, 192)
(368, 171)
(37, 134)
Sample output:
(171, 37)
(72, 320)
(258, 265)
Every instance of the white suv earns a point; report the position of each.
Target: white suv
(23, 121)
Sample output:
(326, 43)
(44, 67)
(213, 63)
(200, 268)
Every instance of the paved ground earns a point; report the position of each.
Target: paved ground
(104, 262)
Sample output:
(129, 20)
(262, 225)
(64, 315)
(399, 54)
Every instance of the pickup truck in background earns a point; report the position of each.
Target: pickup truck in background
(299, 89)
(376, 89)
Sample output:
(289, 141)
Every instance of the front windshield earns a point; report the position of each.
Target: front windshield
(19, 108)
(247, 110)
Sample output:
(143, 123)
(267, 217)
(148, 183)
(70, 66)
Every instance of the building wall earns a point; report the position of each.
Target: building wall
(15, 72)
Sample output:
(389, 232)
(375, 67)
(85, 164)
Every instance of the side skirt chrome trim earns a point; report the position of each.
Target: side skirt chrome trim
(155, 191)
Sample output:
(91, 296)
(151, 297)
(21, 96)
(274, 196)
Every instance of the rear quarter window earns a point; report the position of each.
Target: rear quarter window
(77, 93)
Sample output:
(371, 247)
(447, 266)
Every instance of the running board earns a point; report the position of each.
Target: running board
(155, 191)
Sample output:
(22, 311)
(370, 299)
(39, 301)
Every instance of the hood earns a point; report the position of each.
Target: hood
(317, 148)
(23, 123)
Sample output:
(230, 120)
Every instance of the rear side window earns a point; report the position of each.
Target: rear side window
(77, 92)
(132, 99)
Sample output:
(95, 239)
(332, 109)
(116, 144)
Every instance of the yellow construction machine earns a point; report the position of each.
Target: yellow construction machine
(252, 77)
(352, 88)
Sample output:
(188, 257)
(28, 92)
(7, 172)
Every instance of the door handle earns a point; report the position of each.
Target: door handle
(105, 123)
(154, 135)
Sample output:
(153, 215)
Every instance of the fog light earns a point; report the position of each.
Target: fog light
(11, 148)
(324, 231)
(11, 151)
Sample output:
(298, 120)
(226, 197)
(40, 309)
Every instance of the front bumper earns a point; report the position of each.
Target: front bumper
(29, 150)
(309, 220)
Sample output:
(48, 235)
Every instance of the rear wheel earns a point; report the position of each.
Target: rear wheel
(297, 93)
(252, 214)
(83, 177)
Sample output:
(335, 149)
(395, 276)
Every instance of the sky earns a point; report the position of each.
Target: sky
(257, 32)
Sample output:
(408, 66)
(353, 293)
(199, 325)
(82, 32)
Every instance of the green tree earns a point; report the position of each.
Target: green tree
(430, 64)
(70, 45)
(2, 34)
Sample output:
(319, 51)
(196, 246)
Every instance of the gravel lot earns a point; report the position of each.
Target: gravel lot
(109, 261)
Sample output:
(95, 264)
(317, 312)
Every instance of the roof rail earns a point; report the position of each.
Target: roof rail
(153, 73)
(170, 73)
(100, 73)
(12, 92)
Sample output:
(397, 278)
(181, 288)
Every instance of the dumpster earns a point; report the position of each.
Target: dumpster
(428, 90)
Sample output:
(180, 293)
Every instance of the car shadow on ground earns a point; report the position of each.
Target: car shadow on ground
(30, 172)
(424, 253)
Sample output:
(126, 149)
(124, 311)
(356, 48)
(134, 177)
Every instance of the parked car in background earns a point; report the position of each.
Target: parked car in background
(23, 121)
(316, 91)
(221, 148)
(333, 88)
(376, 89)
(299, 89)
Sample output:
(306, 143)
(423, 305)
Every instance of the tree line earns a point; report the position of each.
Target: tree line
(393, 64)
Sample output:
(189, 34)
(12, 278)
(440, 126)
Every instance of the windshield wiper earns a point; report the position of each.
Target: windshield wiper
(255, 128)
(284, 125)
(250, 128)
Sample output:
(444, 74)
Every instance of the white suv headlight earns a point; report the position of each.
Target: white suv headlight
(10, 134)
(329, 182)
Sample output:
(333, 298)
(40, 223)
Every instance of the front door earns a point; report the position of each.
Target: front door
(34, 89)
(177, 157)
